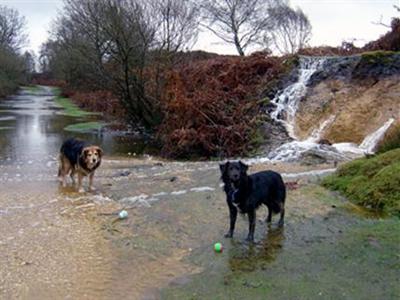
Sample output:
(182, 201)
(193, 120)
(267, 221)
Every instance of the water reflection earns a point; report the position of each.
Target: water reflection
(249, 257)
(32, 131)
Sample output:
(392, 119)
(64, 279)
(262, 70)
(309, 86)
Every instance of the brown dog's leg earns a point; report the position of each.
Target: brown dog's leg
(63, 170)
(72, 175)
(80, 188)
(91, 187)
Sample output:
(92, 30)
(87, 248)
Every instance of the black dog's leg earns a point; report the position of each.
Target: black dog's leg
(269, 218)
(281, 220)
(232, 217)
(252, 225)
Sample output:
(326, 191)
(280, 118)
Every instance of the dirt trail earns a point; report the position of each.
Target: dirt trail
(59, 244)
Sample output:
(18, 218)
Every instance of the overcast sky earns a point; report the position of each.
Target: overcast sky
(332, 20)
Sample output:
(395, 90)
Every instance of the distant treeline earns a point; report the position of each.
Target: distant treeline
(15, 67)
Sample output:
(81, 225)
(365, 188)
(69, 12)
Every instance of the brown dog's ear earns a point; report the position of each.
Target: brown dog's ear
(223, 167)
(243, 166)
(99, 151)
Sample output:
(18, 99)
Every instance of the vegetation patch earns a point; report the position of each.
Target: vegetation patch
(370, 182)
(377, 64)
(211, 107)
(391, 140)
(71, 109)
(85, 127)
(32, 88)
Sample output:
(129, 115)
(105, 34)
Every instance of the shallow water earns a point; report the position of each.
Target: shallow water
(32, 130)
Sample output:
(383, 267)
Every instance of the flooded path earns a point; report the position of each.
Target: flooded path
(58, 244)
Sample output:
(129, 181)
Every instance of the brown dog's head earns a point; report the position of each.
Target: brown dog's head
(92, 156)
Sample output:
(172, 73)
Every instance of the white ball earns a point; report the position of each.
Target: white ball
(123, 214)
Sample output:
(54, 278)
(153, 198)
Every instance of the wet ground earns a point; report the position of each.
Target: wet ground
(58, 244)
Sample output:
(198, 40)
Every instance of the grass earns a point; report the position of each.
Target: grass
(32, 88)
(70, 108)
(391, 139)
(370, 182)
(85, 127)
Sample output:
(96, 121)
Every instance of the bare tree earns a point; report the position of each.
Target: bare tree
(237, 22)
(380, 22)
(104, 44)
(12, 29)
(177, 24)
(288, 31)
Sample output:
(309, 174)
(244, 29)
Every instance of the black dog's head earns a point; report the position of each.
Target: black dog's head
(233, 171)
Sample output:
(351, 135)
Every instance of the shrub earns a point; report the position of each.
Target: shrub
(99, 101)
(211, 106)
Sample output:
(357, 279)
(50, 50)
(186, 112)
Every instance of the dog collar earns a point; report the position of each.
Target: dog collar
(233, 194)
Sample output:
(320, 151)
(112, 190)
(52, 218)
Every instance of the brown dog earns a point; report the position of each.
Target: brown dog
(76, 156)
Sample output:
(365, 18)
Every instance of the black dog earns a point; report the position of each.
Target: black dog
(246, 193)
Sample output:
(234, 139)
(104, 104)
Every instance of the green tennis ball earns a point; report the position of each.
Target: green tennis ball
(218, 247)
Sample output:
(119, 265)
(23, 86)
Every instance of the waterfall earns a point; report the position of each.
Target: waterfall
(287, 103)
(287, 100)
(371, 141)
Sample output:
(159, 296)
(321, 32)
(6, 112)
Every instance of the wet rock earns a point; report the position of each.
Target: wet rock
(340, 67)
(123, 173)
(377, 65)
(321, 155)
(324, 142)
(274, 135)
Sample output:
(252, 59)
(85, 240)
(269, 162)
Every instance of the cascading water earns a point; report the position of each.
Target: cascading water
(287, 103)
(370, 141)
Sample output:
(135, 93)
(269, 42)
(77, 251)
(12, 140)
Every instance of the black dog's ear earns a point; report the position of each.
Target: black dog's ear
(223, 167)
(243, 166)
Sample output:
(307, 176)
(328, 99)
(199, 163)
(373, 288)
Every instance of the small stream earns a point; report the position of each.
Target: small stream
(32, 130)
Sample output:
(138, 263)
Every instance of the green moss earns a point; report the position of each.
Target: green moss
(373, 57)
(85, 127)
(373, 183)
